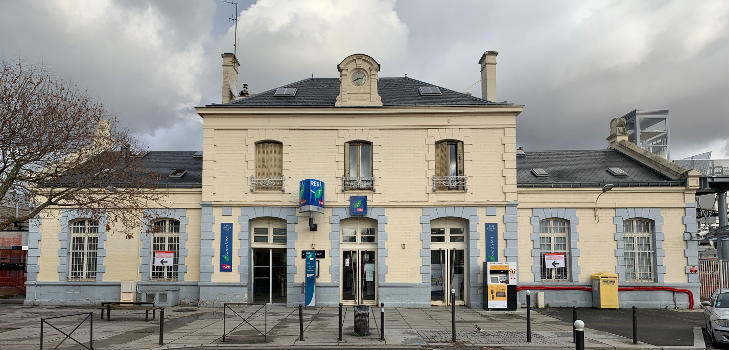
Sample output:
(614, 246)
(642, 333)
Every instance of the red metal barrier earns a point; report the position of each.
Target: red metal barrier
(620, 289)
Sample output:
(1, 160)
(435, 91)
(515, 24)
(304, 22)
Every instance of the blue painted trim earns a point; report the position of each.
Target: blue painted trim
(569, 214)
(339, 214)
(511, 232)
(145, 252)
(654, 214)
(470, 214)
(68, 215)
(34, 236)
(207, 220)
(692, 245)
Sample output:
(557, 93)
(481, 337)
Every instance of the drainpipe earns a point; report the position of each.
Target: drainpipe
(722, 244)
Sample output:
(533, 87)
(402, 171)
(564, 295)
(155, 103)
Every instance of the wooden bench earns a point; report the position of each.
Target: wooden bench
(128, 305)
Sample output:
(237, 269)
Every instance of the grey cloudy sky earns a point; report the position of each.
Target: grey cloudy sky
(573, 64)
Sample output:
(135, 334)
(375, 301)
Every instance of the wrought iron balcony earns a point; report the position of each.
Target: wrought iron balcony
(449, 183)
(267, 184)
(358, 183)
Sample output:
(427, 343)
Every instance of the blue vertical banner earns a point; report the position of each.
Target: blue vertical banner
(310, 295)
(492, 242)
(226, 247)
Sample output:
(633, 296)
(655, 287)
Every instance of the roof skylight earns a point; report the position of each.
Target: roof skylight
(539, 172)
(178, 173)
(197, 154)
(615, 171)
(285, 92)
(429, 91)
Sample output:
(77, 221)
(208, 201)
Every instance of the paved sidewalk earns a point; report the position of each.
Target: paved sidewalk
(190, 327)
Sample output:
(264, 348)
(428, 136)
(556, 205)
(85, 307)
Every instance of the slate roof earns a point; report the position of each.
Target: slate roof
(162, 163)
(394, 91)
(586, 169)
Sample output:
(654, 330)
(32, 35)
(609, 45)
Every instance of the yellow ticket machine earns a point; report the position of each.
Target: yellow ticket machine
(500, 286)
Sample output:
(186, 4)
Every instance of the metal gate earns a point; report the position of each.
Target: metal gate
(713, 274)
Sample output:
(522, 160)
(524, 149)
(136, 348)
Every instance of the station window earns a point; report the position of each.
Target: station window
(638, 250)
(449, 166)
(553, 238)
(358, 166)
(166, 237)
(359, 231)
(83, 252)
(268, 232)
(269, 167)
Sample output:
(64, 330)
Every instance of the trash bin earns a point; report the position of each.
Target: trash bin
(605, 290)
(362, 320)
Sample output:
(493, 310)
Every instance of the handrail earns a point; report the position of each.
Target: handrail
(620, 289)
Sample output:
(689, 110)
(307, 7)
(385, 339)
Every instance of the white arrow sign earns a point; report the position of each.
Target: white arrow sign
(553, 260)
(163, 258)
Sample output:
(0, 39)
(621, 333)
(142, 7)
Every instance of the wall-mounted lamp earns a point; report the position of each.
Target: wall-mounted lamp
(605, 188)
(402, 245)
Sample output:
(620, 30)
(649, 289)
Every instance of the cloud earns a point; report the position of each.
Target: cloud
(142, 59)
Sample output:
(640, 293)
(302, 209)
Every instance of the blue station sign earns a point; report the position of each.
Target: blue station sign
(310, 282)
(357, 205)
(492, 242)
(311, 195)
(226, 247)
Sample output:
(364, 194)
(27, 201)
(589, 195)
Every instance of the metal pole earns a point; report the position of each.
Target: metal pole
(340, 322)
(265, 323)
(382, 321)
(91, 330)
(301, 322)
(453, 315)
(41, 336)
(574, 319)
(529, 316)
(225, 306)
(161, 326)
(580, 331)
(108, 312)
(635, 325)
(722, 244)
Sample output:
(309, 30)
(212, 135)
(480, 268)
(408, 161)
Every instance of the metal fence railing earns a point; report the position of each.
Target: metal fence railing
(245, 317)
(713, 274)
(88, 316)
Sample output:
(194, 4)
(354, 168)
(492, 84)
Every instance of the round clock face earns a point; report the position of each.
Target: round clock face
(359, 77)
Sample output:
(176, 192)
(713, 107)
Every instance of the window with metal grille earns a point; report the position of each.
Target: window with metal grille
(449, 166)
(269, 167)
(553, 238)
(166, 238)
(358, 166)
(268, 232)
(83, 252)
(638, 249)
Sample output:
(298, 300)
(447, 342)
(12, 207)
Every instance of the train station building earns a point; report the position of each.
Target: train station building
(415, 188)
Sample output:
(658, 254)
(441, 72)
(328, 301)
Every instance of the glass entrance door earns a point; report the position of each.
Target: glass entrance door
(269, 275)
(359, 277)
(447, 271)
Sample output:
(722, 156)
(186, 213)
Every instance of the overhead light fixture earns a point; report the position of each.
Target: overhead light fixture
(605, 188)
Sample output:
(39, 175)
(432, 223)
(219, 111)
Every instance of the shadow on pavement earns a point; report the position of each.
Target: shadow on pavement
(655, 326)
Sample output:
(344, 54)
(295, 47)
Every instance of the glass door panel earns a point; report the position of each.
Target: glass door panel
(457, 276)
(368, 275)
(278, 274)
(437, 280)
(349, 275)
(261, 275)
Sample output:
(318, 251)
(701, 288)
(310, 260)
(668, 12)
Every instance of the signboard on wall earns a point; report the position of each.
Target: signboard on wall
(553, 260)
(311, 195)
(310, 292)
(226, 247)
(357, 205)
(492, 242)
(163, 258)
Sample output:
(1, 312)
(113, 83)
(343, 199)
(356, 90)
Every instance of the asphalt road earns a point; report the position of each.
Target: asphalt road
(655, 326)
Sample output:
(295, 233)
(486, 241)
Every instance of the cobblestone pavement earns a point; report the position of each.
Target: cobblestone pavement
(195, 327)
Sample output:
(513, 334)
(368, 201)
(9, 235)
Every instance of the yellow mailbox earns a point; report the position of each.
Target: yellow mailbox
(605, 290)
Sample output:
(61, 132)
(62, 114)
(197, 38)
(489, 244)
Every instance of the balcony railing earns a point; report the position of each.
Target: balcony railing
(267, 184)
(358, 183)
(449, 183)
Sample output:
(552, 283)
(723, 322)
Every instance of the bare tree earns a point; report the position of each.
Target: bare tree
(61, 148)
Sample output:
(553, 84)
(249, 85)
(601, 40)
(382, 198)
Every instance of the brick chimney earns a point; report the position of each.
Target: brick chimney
(230, 77)
(488, 75)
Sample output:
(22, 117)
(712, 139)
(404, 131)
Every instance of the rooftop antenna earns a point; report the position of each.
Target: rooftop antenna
(234, 19)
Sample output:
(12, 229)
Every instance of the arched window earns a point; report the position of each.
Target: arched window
(165, 240)
(553, 238)
(638, 249)
(83, 252)
(268, 231)
(449, 166)
(359, 230)
(358, 166)
(269, 167)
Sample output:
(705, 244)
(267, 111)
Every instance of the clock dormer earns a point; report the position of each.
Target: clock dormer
(358, 82)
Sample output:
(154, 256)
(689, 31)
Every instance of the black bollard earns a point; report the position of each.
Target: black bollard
(580, 335)
(529, 316)
(382, 321)
(224, 307)
(301, 322)
(340, 321)
(41, 336)
(161, 325)
(453, 315)
(574, 319)
(108, 312)
(635, 325)
(91, 330)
